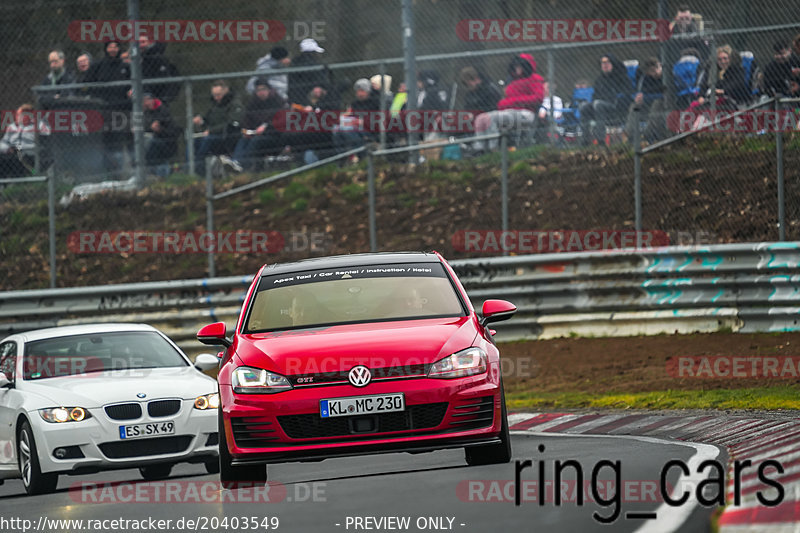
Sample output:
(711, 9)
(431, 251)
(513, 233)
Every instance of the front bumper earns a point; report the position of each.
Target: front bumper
(98, 439)
(287, 426)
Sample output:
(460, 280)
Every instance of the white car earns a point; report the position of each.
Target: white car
(80, 399)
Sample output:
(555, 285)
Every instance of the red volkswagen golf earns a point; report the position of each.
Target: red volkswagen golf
(358, 354)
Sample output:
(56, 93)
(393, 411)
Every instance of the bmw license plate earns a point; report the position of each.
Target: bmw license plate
(137, 431)
(360, 405)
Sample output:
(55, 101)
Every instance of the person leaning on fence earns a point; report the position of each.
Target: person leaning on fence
(519, 106)
(220, 127)
(277, 58)
(156, 65)
(18, 145)
(57, 75)
(302, 83)
(648, 102)
(161, 134)
(612, 89)
(260, 137)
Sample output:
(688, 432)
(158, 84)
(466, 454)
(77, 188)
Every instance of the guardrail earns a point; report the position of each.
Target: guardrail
(739, 287)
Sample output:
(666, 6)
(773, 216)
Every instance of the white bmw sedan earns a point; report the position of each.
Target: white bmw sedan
(80, 399)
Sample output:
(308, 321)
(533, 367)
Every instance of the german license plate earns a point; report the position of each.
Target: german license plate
(359, 405)
(137, 431)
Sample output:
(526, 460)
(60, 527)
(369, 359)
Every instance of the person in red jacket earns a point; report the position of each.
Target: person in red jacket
(520, 104)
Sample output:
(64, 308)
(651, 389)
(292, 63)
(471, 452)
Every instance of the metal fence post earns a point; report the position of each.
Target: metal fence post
(51, 222)
(551, 121)
(188, 133)
(410, 63)
(504, 183)
(373, 229)
(781, 183)
(137, 115)
(210, 212)
(637, 177)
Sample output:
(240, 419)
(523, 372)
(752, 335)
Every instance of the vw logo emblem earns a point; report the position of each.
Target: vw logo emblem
(359, 376)
(141, 395)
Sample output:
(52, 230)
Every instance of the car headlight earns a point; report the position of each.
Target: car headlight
(207, 401)
(461, 364)
(57, 415)
(251, 380)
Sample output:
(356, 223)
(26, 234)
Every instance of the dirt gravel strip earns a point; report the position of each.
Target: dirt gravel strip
(756, 437)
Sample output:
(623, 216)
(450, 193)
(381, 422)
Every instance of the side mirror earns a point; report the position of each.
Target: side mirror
(214, 335)
(206, 361)
(496, 310)
(4, 383)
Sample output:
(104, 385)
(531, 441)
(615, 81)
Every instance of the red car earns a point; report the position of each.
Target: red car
(358, 354)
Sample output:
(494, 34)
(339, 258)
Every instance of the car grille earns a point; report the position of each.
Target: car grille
(252, 432)
(124, 411)
(313, 426)
(145, 447)
(385, 373)
(158, 408)
(474, 413)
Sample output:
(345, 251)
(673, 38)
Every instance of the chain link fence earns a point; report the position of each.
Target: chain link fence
(126, 164)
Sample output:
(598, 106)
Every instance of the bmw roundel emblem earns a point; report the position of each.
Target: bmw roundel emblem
(359, 376)
(141, 395)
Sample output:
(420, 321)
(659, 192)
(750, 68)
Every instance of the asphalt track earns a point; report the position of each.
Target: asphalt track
(435, 491)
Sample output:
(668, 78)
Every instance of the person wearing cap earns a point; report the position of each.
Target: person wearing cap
(302, 83)
(259, 135)
(353, 132)
(277, 58)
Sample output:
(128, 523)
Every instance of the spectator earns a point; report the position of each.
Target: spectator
(161, 133)
(351, 133)
(83, 65)
(155, 65)
(648, 101)
(314, 145)
(259, 135)
(18, 145)
(387, 85)
(683, 23)
(111, 68)
(276, 59)
(520, 105)
(482, 94)
(220, 126)
(779, 71)
(731, 88)
(301, 84)
(612, 89)
(543, 115)
(685, 33)
(58, 75)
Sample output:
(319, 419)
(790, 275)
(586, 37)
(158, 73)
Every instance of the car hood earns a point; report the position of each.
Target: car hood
(100, 388)
(339, 348)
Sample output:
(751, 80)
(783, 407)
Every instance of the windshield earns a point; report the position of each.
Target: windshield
(97, 352)
(347, 295)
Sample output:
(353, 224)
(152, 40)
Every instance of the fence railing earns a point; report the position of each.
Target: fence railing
(741, 288)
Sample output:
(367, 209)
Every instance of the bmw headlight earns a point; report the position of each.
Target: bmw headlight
(207, 401)
(249, 380)
(57, 415)
(461, 364)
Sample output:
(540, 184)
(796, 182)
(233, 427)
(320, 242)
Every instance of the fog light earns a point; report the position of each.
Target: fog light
(60, 453)
(68, 452)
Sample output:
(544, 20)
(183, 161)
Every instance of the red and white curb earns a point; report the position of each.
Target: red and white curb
(745, 438)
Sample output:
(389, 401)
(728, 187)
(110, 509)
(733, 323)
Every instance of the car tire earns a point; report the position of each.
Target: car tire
(230, 476)
(34, 481)
(493, 454)
(156, 472)
(212, 466)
